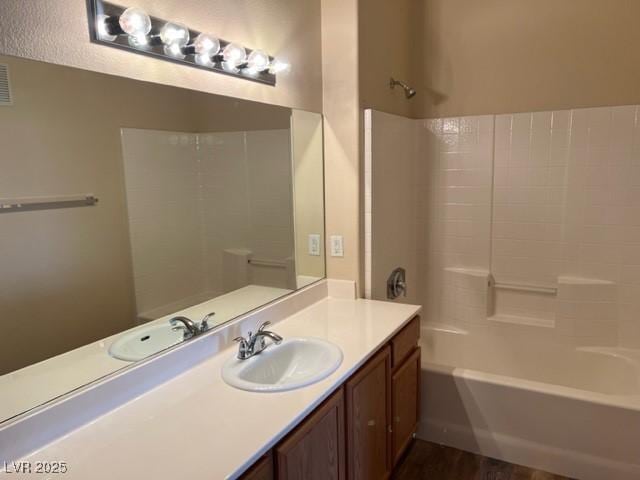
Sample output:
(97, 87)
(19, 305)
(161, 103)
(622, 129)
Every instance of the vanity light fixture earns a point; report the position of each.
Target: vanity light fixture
(134, 30)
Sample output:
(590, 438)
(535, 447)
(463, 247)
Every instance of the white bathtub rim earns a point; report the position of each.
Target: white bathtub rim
(628, 402)
(520, 451)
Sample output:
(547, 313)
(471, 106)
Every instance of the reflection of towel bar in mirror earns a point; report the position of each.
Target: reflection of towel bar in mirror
(267, 263)
(46, 203)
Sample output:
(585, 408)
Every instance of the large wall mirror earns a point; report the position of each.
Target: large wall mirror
(124, 204)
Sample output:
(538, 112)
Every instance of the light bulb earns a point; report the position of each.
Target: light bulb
(204, 59)
(279, 66)
(103, 30)
(206, 45)
(234, 55)
(230, 67)
(174, 33)
(135, 22)
(141, 41)
(174, 50)
(258, 61)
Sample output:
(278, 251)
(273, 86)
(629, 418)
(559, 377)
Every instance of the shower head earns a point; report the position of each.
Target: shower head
(408, 91)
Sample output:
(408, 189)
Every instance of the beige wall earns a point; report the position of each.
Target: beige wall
(56, 31)
(386, 50)
(308, 192)
(342, 130)
(499, 56)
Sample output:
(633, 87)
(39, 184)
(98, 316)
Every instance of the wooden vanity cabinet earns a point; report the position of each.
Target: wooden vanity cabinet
(405, 401)
(368, 400)
(361, 431)
(315, 449)
(262, 469)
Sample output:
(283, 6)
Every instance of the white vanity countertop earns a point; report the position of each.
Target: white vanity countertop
(42, 381)
(197, 427)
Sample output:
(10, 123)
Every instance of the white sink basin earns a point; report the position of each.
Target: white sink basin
(295, 363)
(142, 342)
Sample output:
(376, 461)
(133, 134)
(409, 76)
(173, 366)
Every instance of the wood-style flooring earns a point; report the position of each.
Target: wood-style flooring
(429, 461)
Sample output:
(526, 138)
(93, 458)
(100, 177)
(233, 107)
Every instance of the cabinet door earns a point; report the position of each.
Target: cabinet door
(261, 470)
(368, 415)
(315, 449)
(405, 385)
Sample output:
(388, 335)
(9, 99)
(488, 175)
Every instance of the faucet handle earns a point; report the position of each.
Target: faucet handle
(204, 324)
(264, 325)
(243, 342)
(243, 350)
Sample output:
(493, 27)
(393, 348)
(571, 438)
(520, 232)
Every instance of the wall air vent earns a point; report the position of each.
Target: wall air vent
(5, 86)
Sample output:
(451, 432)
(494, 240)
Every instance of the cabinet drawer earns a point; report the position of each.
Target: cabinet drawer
(405, 341)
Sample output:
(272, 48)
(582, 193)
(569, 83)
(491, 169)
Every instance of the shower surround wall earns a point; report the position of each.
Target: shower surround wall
(526, 240)
(545, 199)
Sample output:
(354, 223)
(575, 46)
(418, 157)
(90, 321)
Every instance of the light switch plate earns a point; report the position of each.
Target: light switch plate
(337, 249)
(314, 244)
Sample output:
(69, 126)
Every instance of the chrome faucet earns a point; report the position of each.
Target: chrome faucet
(256, 343)
(189, 327)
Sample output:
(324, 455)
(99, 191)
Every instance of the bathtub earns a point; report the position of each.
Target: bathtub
(573, 411)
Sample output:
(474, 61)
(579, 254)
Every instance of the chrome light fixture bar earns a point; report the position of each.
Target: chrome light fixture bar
(133, 30)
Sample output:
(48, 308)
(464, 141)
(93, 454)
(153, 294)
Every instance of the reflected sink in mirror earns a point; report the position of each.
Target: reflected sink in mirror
(295, 363)
(141, 343)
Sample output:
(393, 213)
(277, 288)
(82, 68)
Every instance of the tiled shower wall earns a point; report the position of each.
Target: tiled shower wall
(545, 199)
(246, 184)
(209, 192)
(455, 217)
